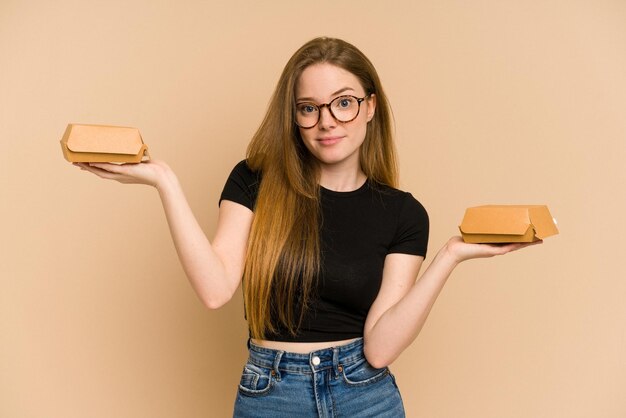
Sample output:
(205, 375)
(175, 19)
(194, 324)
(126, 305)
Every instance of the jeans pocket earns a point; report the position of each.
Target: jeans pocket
(255, 380)
(362, 373)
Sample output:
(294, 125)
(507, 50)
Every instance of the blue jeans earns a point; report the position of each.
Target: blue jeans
(333, 382)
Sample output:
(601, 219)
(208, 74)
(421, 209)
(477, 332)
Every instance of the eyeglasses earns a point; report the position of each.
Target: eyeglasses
(343, 109)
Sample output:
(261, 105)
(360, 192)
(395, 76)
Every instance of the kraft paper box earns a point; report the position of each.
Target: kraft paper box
(103, 144)
(507, 223)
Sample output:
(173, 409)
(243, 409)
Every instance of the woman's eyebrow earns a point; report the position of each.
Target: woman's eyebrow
(310, 99)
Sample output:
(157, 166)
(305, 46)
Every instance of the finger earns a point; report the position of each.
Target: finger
(112, 168)
(529, 244)
(84, 166)
(102, 173)
(91, 166)
(518, 246)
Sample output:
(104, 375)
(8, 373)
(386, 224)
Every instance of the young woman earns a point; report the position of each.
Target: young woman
(328, 249)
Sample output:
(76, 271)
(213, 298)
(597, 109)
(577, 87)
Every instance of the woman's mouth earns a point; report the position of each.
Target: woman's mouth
(329, 140)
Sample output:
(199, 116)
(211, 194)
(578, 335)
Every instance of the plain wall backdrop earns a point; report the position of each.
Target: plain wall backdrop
(495, 102)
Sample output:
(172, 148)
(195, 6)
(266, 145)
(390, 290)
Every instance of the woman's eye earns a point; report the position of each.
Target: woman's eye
(344, 102)
(307, 108)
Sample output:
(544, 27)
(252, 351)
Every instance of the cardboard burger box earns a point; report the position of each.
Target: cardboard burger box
(103, 144)
(507, 223)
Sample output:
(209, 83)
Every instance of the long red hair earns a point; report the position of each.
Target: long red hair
(283, 257)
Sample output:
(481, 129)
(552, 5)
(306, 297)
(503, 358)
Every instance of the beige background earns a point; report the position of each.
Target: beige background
(495, 102)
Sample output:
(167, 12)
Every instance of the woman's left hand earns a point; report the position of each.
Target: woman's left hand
(461, 251)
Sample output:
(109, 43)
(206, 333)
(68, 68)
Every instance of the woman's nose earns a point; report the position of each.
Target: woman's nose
(327, 120)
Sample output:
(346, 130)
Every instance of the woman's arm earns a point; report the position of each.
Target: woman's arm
(214, 270)
(402, 305)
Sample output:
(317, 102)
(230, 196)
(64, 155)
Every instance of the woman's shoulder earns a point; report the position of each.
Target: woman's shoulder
(242, 185)
(243, 173)
(401, 198)
(242, 168)
(390, 191)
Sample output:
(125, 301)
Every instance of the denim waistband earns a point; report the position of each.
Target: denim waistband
(315, 361)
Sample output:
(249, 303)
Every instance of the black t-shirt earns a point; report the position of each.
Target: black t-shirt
(359, 229)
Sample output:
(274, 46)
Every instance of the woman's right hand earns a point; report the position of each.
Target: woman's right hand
(152, 172)
(214, 269)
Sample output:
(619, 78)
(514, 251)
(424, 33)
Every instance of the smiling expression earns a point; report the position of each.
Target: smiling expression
(333, 143)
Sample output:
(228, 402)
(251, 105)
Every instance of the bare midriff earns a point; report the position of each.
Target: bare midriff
(301, 348)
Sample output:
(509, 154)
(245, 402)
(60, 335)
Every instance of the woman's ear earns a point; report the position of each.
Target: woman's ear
(371, 106)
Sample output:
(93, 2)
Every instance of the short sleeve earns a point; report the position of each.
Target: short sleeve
(412, 228)
(242, 186)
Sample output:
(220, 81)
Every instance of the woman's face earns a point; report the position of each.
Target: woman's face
(332, 142)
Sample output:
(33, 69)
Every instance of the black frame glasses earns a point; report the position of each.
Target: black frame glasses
(330, 109)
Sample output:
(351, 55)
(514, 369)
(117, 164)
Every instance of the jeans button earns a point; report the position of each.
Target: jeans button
(315, 360)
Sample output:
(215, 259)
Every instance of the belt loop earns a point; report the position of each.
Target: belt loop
(275, 371)
(336, 365)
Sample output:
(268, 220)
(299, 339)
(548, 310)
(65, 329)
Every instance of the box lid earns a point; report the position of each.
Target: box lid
(103, 139)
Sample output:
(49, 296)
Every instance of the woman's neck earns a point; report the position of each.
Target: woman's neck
(342, 180)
